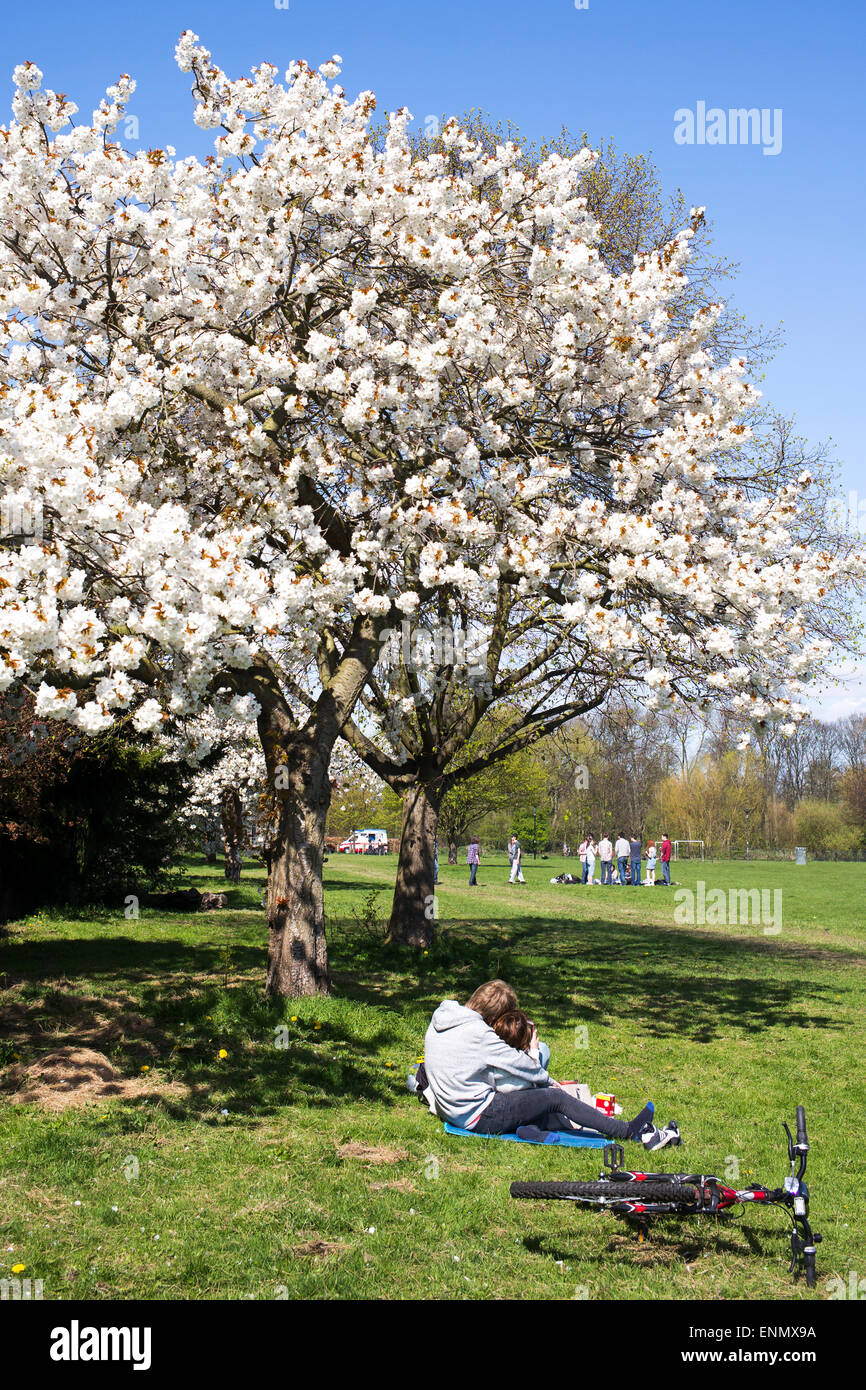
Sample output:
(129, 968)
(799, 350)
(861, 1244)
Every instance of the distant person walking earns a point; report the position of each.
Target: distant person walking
(667, 848)
(635, 854)
(620, 849)
(605, 854)
(515, 854)
(473, 859)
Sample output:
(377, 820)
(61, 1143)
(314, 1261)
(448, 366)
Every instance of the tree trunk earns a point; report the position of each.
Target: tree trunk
(299, 794)
(233, 832)
(413, 911)
(295, 903)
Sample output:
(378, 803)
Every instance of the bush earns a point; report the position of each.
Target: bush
(81, 819)
(824, 827)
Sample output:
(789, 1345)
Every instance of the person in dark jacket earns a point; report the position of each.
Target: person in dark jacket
(634, 850)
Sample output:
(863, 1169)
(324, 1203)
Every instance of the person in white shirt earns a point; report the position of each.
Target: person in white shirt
(621, 850)
(605, 854)
(582, 852)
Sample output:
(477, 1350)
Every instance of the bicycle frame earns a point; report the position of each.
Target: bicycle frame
(715, 1196)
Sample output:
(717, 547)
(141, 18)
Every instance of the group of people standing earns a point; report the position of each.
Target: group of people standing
(515, 858)
(621, 861)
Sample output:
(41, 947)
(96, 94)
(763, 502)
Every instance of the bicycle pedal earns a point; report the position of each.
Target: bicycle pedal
(614, 1156)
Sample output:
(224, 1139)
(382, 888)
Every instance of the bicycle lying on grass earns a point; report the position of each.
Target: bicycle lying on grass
(640, 1196)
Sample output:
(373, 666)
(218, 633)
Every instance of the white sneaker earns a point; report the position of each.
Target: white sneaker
(655, 1138)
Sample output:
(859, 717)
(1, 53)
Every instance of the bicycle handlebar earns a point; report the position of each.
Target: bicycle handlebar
(801, 1126)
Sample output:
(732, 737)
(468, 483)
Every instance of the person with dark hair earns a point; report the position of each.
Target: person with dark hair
(515, 856)
(634, 846)
(667, 849)
(605, 854)
(621, 851)
(473, 859)
(514, 1028)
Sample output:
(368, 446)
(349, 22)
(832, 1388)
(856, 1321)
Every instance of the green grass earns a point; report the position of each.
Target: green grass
(725, 1028)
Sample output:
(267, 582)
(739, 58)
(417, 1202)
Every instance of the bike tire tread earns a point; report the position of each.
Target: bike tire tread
(686, 1193)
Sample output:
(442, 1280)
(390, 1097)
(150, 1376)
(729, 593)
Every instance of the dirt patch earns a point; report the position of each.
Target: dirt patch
(130, 1027)
(70, 1021)
(399, 1185)
(319, 1248)
(71, 1076)
(368, 1153)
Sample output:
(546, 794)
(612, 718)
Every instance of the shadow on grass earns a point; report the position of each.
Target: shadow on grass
(696, 984)
(668, 1241)
(690, 984)
(175, 990)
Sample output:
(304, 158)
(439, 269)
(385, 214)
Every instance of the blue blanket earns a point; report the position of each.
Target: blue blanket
(587, 1140)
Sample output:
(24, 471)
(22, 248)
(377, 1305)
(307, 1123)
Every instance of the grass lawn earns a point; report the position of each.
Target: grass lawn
(306, 1170)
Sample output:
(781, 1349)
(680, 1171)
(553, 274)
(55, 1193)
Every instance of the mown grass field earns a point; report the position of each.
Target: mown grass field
(308, 1171)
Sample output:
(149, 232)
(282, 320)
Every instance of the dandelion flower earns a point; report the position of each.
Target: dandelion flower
(145, 1068)
(222, 1052)
(18, 1269)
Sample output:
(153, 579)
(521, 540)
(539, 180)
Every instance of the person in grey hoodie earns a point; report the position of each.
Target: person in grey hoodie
(461, 1055)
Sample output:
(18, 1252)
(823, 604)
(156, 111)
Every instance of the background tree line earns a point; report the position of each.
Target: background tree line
(623, 768)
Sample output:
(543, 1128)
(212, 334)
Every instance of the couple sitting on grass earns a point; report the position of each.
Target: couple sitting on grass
(484, 1070)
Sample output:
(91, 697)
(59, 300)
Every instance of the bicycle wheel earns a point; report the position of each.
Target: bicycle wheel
(614, 1192)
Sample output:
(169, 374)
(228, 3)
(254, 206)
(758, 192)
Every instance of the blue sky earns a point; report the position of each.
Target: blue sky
(619, 69)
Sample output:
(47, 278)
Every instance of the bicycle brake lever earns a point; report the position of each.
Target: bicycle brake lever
(798, 1245)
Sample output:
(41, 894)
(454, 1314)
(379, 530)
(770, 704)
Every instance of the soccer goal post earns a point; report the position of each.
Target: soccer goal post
(687, 844)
